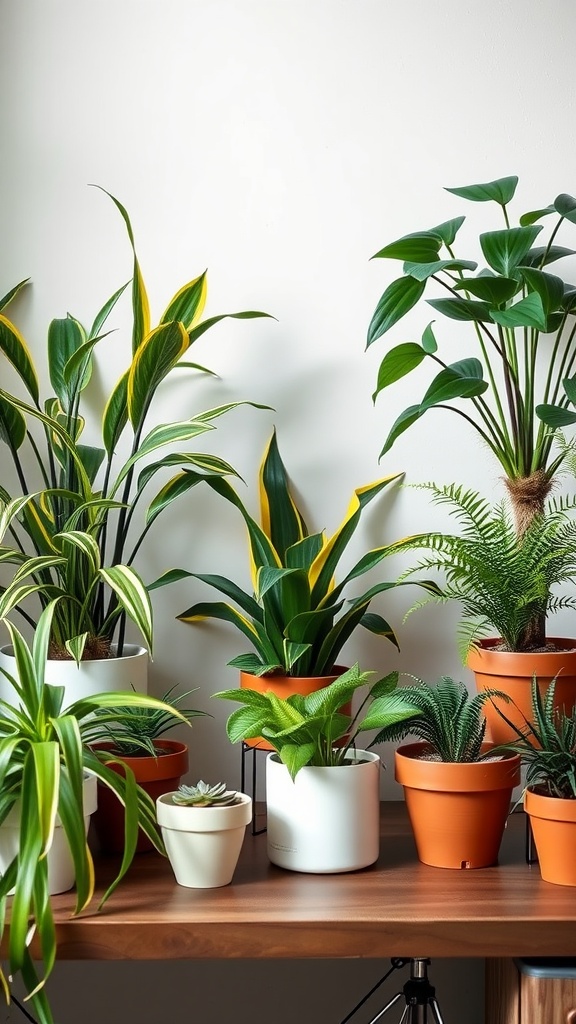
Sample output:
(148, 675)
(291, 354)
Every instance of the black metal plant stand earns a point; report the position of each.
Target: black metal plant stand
(245, 753)
(419, 995)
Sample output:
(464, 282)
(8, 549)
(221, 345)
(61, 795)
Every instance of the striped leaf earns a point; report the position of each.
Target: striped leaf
(188, 304)
(104, 313)
(140, 304)
(75, 646)
(85, 543)
(201, 329)
(281, 519)
(206, 463)
(133, 597)
(65, 337)
(46, 758)
(12, 510)
(6, 299)
(156, 356)
(12, 426)
(115, 415)
(15, 349)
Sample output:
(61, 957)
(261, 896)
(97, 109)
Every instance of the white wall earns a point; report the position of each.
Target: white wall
(280, 144)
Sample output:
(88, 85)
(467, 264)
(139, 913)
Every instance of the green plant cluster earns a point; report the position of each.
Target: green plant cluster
(547, 745)
(135, 728)
(205, 795)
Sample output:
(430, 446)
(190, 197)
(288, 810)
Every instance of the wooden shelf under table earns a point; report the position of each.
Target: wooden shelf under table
(398, 907)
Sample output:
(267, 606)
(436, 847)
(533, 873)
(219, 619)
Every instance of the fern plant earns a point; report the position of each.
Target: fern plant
(504, 582)
(450, 721)
(547, 745)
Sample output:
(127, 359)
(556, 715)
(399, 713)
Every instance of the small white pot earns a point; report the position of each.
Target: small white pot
(87, 679)
(203, 843)
(61, 874)
(328, 819)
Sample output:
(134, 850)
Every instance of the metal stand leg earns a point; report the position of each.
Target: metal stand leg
(531, 855)
(245, 752)
(419, 995)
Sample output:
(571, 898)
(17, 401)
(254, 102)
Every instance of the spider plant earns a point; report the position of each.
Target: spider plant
(296, 619)
(135, 728)
(70, 525)
(450, 721)
(503, 582)
(43, 759)
(516, 384)
(305, 730)
(547, 745)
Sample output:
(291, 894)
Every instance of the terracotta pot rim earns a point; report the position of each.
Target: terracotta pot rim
(170, 764)
(279, 678)
(483, 657)
(413, 772)
(549, 808)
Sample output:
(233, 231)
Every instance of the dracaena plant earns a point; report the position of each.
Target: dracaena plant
(313, 730)
(77, 515)
(503, 582)
(515, 383)
(44, 756)
(296, 619)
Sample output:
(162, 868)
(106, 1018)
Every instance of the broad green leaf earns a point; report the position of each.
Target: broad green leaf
(555, 416)
(225, 586)
(398, 362)
(448, 229)
(84, 543)
(91, 458)
(156, 356)
(494, 290)
(7, 299)
(78, 368)
(203, 610)
(463, 379)
(201, 328)
(302, 554)
(104, 313)
(178, 485)
(387, 710)
(500, 191)
(549, 287)
(402, 423)
(420, 247)
(15, 349)
(188, 304)
(280, 517)
(12, 426)
(462, 309)
(115, 415)
(422, 271)
(246, 723)
(529, 312)
(133, 597)
(46, 758)
(565, 205)
(505, 250)
(429, 343)
(293, 652)
(534, 215)
(296, 756)
(569, 384)
(399, 297)
(542, 255)
(65, 337)
(165, 433)
(200, 460)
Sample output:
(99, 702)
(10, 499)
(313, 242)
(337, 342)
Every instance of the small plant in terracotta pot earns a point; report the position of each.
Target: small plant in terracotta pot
(457, 787)
(134, 737)
(547, 746)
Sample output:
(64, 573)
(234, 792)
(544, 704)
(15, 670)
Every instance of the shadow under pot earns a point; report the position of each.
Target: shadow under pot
(457, 811)
(156, 776)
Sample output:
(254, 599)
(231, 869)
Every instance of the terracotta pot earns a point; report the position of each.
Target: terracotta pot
(512, 672)
(156, 775)
(457, 811)
(285, 686)
(554, 828)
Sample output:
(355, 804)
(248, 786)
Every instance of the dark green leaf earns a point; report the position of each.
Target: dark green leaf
(565, 205)
(554, 416)
(463, 379)
(65, 336)
(549, 287)
(397, 363)
(500, 191)
(494, 290)
(104, 313)
(420, 247)
(570, 388)
(12, 425)
(534, 215)
(462, 309)
(429, 343)
(115, 414)
(448, 229)
(91, 458)
(397, 300)
(529, 312)
(542, 255)
(505, 250)
(422, 271)
(404, 420)
(14, 347)
(6, 299)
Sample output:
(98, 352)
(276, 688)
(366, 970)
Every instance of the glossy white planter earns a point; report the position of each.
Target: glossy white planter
(61, 874)
(203, 843)
(328, 819)
(87, 679)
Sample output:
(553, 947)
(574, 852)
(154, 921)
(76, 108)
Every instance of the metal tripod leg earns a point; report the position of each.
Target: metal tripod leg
(418, 993)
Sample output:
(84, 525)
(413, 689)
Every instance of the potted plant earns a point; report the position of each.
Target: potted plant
(203, 828)
(547, 746)
(322, 793)
(503, 582)
(516, 386)
(297, 620)
(457, 787)
(44, 761)
(135, 739)
(70, 527)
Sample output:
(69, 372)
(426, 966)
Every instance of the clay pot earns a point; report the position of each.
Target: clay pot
(156, 775)
(457, 811)
(553, 824)
(285, 686)
(512, 672)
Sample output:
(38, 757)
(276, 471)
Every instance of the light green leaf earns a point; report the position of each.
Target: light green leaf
(133, 597)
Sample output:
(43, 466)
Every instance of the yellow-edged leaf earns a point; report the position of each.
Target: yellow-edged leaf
(188, 304)
(15, 349)
(156, 356)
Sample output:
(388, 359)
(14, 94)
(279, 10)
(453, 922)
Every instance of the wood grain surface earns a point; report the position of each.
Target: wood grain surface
(398, 907)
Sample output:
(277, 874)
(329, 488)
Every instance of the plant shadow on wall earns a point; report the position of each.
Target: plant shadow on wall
(75, 523)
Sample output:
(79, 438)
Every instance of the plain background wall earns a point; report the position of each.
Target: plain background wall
(280, 143)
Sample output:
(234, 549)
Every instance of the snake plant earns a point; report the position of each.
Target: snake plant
(70, 523)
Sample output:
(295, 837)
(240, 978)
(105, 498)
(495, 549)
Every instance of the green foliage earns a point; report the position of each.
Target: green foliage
(135, 728)
(296, 619)
(43, 759)
(514, 308)
(450, 721)
(75, 535)
(205, 795)
(547, 745)
(304, 730)
(502, 581)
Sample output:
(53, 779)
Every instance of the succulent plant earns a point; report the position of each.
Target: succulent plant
(204, 795)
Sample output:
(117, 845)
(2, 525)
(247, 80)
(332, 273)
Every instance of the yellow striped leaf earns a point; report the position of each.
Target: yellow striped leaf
(15, 349)
(188, 304)
(156, 356)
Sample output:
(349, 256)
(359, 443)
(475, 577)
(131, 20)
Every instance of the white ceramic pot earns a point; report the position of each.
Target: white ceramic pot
(328, 819)
(203, 843)
(61, 873)
(88, 678)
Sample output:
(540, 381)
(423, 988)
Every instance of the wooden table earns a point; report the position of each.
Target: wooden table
(398, 907)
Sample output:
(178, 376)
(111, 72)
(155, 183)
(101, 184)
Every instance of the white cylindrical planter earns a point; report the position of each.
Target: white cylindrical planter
(88, 678)
(327, 819)
(61, 875)
(203, 843)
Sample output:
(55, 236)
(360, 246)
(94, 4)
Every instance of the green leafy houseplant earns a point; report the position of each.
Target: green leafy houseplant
(135, 728)
(204, 795)
(516, 385)
(451, 722)
(70, 527)
(313, 730)
(503, 582)
(296, 619)
(43, 759)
